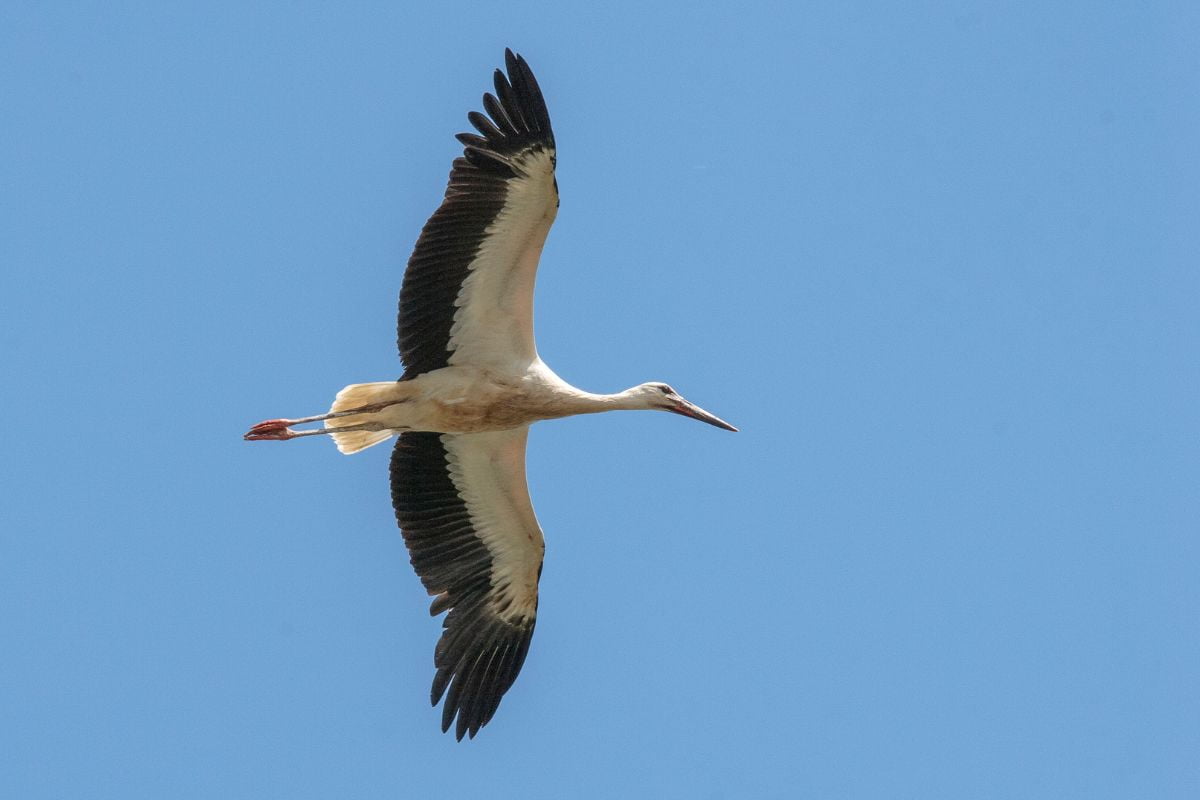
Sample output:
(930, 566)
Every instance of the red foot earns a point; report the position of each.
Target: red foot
(271, 430)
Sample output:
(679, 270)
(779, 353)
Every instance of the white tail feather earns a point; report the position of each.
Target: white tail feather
(352, 441)
(358, 395)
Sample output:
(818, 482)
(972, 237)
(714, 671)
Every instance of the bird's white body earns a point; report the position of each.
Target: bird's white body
(462, 399)
(473, 383)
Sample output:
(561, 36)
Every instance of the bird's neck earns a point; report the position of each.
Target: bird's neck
(591, 403)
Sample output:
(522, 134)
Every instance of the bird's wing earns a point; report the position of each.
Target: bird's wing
(463, 505)
(467, 296)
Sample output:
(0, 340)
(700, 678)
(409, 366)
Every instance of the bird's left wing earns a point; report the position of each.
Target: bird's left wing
(467, 296)
(462, 503)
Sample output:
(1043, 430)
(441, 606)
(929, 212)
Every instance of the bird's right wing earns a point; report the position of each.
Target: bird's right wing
(467, 296)
(463, 505)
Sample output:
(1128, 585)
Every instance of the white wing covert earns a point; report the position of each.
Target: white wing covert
(467, 296)
(462, 503)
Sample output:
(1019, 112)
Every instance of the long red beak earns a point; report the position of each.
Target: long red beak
(696, 412)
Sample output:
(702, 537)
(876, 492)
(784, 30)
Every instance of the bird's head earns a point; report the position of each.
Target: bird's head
(661, 397)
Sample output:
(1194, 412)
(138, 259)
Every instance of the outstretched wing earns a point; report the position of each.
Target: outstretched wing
(463, 505)
(467, 296)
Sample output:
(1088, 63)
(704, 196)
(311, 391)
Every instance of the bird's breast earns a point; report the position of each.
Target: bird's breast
(474, 401)
(491, 406)
(467, 416)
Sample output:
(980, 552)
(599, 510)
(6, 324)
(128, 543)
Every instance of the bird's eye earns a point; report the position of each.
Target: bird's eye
(665, 389)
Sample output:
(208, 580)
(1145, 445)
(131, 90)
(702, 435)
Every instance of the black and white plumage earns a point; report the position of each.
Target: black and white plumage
(500, 203)
(478, 548)
(472, 385)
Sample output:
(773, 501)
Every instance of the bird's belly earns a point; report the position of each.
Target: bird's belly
(477, 417)
(467, 400)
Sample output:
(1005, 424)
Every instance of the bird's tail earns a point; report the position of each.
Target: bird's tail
(369, 396)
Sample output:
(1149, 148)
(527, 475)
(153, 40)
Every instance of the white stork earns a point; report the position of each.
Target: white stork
(472, 385)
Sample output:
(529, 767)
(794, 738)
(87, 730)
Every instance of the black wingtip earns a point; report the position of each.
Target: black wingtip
(512, 62)
(516, 118)
(475, 671)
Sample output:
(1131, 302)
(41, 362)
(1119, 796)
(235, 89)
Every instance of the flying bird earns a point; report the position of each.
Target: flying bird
(472, 385)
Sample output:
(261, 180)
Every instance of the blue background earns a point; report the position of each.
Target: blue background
(937, 260)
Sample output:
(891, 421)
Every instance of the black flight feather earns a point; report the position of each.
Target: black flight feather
(517, 123)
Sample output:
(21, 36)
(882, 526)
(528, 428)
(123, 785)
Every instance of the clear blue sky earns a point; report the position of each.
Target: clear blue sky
(938, 261)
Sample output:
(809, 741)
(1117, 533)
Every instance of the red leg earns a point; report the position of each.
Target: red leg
(271, 430)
